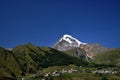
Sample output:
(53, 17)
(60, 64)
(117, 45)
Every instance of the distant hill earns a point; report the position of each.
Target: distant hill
(109, 57)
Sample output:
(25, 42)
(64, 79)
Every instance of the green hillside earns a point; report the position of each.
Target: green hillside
(109, 57)
(8, 64)
(29, 59)
(42, 57)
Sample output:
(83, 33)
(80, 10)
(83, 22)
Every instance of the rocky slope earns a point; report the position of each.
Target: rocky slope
(67, 42)
(93, 49)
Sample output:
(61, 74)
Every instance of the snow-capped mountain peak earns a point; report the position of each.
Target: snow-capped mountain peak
(67, 42)
(66, 38)
(71, 39)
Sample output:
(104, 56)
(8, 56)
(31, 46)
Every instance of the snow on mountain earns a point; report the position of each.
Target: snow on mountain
(71, 40)
(67, 42)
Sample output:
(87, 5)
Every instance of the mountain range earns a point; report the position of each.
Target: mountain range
(30, 59)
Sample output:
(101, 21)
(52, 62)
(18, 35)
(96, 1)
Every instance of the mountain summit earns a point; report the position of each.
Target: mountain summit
(67, 42)
(76, 47)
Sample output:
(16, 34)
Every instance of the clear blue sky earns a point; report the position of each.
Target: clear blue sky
(43, 22)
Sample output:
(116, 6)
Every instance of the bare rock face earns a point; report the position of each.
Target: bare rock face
(62, 46)
(80, 53)
(94, 48)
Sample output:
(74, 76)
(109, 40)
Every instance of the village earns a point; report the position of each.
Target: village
(80, 70)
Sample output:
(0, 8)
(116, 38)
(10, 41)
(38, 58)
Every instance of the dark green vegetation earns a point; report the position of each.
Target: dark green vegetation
(111, 57)
(29, 59)
(8, 64)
